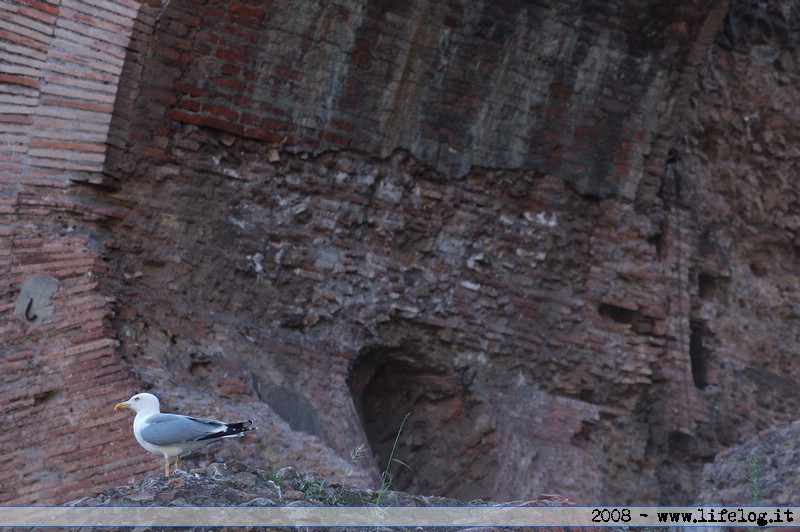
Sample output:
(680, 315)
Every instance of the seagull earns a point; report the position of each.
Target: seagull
(175, 434)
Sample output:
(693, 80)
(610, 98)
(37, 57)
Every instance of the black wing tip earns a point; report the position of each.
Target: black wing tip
(240, 427)
(232, 430)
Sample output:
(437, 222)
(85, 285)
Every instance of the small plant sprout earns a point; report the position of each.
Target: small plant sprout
(275, 475)
(356, 454)
(386, 477)
(359, 452)
(754, 479)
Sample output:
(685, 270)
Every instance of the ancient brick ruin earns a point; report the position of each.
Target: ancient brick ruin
(564, 238)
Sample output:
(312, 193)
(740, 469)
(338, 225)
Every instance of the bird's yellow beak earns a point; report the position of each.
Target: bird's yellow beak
(122, 406)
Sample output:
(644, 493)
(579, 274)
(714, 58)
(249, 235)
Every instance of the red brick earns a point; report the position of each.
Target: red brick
(285, 73)
(19, 80)
(223, 125)
(247, 11)
(104, 109)
(230, 70)
(182, 116)
(62, 145)
(341, 125)
(39, 6)
(263, 134)
(15, 119)
(270, 109)
(219, 82)
(250, 119)
(232, 56)
(333, 138)
(29, 46)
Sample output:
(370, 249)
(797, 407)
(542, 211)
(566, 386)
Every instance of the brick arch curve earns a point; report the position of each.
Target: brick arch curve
(59, 73)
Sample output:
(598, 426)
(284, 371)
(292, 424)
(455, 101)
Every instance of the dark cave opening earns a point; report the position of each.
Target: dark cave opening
(388, 384)
(447, 438)
(383, 391)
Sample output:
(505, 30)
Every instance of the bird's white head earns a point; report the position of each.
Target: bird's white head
(141, 402)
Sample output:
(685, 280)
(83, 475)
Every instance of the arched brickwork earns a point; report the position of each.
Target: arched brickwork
(60, 64)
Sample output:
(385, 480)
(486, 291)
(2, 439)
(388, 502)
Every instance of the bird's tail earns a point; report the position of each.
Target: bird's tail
(232, 430)
(238, 429)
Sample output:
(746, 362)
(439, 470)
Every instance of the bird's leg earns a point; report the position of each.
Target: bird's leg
(166, 466)
(178, 462)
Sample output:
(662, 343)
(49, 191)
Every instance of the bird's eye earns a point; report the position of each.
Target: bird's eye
(136, 398)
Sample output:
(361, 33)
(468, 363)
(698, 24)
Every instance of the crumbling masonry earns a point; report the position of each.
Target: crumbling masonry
(564, 238)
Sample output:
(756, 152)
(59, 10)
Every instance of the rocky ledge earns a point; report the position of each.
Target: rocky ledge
(757, 472)
(235, 484)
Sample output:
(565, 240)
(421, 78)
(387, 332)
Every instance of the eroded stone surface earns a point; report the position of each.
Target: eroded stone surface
(564, 239)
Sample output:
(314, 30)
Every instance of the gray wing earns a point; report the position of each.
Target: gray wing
(174, 429)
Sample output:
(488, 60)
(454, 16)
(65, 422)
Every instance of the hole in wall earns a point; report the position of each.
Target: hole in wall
(447, 440)
(657, 242)
(616, 313)
(706, 285)
(759, 268)
(44, 396)
(712, 287)
(698, 353)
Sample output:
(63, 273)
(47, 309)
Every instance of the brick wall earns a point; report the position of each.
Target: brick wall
(744, 318)
(59, 69)
(274, 202)
(504, 302)
(314, 76)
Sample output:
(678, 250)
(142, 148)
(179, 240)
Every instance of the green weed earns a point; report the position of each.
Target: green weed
(754, 479)
(386, 477)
